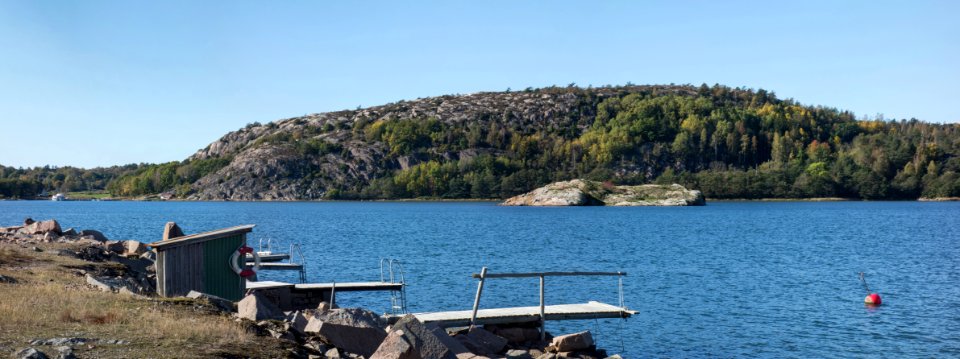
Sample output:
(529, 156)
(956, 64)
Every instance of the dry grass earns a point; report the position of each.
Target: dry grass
(52, 301)
(12, 257)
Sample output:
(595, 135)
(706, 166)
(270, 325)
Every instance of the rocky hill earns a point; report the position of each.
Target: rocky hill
(309, 157)
(727, 142)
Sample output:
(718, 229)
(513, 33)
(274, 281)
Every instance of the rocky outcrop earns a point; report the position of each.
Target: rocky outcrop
(591, 193)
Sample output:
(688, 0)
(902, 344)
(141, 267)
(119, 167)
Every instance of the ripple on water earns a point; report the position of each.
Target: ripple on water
(725, 280)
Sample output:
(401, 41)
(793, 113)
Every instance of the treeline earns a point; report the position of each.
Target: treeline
(120, 181)
(727, 142)
(730, 143)
(31, 182)
(173, 177)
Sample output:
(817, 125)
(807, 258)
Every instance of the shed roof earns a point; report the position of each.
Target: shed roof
(203, 237)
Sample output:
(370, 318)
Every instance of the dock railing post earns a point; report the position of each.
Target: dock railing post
(333, 295)
(543, 319)
(476, 300)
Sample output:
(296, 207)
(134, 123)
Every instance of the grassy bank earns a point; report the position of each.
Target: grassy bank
(52, 300)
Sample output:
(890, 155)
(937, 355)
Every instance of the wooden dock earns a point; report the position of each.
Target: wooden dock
(273, 257)
(341, 287)
(281, 266)
(351, 286)
(290, 296)
(589, 310)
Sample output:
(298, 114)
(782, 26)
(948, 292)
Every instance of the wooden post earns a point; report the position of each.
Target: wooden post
(476, 300)
(543, 319)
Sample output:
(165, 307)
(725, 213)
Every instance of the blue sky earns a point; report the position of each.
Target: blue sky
(99, 83)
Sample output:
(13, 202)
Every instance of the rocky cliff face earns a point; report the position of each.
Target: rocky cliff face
(590, 193)
(314, 156)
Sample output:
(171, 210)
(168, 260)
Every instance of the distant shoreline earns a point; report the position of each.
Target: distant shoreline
(401, 200)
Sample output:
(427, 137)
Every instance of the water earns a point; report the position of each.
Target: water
(730, 279)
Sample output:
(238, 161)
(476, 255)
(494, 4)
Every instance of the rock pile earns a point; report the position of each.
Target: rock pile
(358, 333)
(49, 231)
(136, 277)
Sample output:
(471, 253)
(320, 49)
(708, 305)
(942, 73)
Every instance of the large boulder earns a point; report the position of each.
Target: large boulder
(114, 246)
(589, 193)
(396, 346)
(42, 227)
(132, 248)
(96, 235)
(571, 342)
(352, 329)
(256, 307)
(489, 343)
(516, 335)
(429, 341)
(298, 322)
(171, 230)
(221, 303)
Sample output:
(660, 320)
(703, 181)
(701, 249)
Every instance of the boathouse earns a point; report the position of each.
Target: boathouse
(201, 262)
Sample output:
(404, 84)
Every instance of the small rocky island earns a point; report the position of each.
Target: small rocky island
(592, 193)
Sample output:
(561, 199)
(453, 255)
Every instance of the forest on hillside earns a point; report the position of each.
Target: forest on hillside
(727, 142)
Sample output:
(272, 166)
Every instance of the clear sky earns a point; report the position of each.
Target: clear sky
(99, 83)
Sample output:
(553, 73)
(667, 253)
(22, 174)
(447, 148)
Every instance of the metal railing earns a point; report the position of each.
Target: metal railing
(483, 275)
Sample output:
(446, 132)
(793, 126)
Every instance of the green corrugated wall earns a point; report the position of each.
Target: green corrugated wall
(219, 279)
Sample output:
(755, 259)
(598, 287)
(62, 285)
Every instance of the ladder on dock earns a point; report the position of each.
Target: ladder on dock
(289, 265)
(398, 298)
(541, 313)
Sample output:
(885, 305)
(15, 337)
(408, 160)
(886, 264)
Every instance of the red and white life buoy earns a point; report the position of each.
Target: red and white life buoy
(242, 253)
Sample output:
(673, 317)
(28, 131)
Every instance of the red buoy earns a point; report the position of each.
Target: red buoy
(872, 299)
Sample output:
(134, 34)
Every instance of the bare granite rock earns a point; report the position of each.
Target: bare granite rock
(590, 193)
(571, 342)
(256, 307)
(396, 346)
(42, 227)
(351, 329)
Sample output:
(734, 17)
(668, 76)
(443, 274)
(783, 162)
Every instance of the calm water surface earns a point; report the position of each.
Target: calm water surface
(726, 280)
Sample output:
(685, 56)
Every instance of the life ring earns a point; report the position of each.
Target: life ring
(244, 271)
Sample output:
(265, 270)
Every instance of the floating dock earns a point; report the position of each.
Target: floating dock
(589, 310)
(340, 287)
(272, 257)
(281, 266)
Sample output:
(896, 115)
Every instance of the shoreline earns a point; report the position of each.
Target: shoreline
(100, 291)
(475, 200)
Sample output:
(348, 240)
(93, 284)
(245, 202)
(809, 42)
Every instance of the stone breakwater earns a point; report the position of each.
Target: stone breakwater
(323, 332)
(591, 193)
